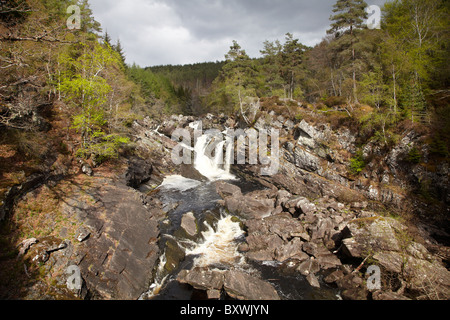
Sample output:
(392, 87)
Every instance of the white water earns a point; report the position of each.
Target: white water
(156, 287)
(179, 183)
(218, 246)
(213, 168)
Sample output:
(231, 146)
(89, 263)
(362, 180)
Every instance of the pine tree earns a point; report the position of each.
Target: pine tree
(237, 81)
(89, 24)
(350, 15)
(107, 39)
(291, 59)
(119, 49)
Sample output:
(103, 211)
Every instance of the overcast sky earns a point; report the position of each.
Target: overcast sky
(155, 32)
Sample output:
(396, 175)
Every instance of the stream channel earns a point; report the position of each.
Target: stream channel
(215, 246)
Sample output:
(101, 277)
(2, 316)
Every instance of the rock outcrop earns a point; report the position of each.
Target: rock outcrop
(322, 237)
(111, 237)
(236, 284)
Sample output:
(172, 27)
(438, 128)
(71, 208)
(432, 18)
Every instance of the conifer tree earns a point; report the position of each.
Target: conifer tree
(119, 49)
(350, 15)
(107, 39)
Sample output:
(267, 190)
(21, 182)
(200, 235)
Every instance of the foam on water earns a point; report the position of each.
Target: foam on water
(180, 183)
(219, 246)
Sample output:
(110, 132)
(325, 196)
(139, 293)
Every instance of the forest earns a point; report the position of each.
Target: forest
(400, 71)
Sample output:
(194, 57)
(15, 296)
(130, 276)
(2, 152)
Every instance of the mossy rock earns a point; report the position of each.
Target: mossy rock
(174, 255)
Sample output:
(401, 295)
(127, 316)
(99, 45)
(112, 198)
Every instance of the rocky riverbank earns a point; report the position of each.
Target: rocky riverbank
(313, 217)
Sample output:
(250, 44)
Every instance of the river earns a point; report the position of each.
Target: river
(216, 244)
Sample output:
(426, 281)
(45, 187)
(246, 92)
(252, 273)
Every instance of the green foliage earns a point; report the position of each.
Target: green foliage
(237, 80)
(357, 163)
(282, 69)
(379, 126)
(414, 155)
(373, 91)
(439, 146)
(417, 40)
(84, 85)
(333, 101)
(106, 147)
(350, 14)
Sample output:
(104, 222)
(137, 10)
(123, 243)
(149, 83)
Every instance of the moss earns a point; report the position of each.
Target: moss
(237, 220)
(363, 222)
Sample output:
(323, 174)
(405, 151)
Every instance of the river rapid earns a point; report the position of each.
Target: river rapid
(216, 244)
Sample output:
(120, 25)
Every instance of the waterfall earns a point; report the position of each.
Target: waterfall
(213, 168)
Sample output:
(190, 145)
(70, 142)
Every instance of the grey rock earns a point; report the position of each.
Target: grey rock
(282, 197)
(328, 261)
(352, 287)
(83, 234)
(313, 281)
(371, 234)
(242, 286)
(118, 262)
(189, 224)
(213, 294)
(291, 250)
(306, 206)
(26, 244)
(305, 160)
(334, 276)
(139, 171)
(308, 266)
(202, 279)
(391, 296)
(225, 189)
(87, 169)
(249, 206)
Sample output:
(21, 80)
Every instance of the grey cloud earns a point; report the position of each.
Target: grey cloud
(187, 31)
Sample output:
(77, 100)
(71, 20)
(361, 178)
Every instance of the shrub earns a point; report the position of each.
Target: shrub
(439, 146)
(414, 155)
(333, 101)
(106, 148)
(357, 163)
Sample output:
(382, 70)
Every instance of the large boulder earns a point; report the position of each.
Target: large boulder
(253, 205)
(189, 224)
(139, 171)
(242, 286)
(237, 284)
(391, 247)
(225, 189)
(369, 235)
(275, 237)
(117, 260)
(202, 279)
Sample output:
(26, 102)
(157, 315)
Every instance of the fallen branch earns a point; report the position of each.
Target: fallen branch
(361, 265)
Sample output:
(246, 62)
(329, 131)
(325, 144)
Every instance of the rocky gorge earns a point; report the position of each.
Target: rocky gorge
(313, 221)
